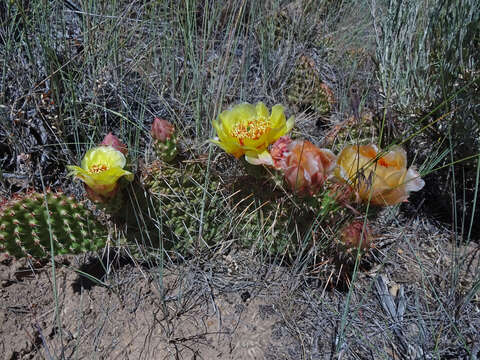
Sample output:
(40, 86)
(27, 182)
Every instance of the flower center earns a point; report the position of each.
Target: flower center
(253, 129)
(98, 168)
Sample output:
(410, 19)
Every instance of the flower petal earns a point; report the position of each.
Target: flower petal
(413, 181)
(263, 158)
(277, 119)
(106, 155)
(101, 168)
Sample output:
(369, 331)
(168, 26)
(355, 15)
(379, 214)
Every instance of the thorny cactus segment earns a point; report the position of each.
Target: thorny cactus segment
(358, 131)
(164, 140)
(306, 89)
(179, 195)
(27, 227)
(356, 235)
(191, 207)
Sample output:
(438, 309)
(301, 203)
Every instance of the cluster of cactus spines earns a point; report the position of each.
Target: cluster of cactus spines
(189, 205)
(166, 150)
(269, 219)
(353, 238)
(179, 194)
(306, 90)
(30, 223)
(279, 228)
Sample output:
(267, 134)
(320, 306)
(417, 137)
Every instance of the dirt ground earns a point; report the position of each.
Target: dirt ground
(236, 307)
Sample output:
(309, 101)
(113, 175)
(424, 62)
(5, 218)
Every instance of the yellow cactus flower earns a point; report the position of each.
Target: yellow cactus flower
(249, 129)
(101, 168)
(384, 180)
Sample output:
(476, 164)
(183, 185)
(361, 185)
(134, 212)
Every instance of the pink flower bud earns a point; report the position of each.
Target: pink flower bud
(162, 129)
(113, 141)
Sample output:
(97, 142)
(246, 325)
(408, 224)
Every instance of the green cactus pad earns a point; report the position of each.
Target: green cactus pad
(167, 150)
(191, 207)
(30, 223)
(360, 131)
(306, 90)
(247, 212)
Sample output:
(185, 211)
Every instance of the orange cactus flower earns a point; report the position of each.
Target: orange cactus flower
(384, 180)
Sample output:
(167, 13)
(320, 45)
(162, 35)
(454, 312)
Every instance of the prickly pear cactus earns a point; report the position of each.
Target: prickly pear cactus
(272, 228)
(306, 90)
(167, 150)
(271, 219)
(360, 131)
(189, 205)
(248, 211)
(29, 223)
(277, 26)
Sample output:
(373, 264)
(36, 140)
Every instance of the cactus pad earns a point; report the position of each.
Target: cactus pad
(306, 90)
(30, 222)
(360, 131)
(167, 150)
(190, 206)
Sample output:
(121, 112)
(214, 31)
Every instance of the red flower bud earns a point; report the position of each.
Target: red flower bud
(354, 235)
(113, 141)
(162, 129)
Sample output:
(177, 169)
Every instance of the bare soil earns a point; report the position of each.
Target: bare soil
(236, 307)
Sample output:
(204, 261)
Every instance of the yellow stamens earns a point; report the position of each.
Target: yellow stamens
(98, 168)
(250, 130)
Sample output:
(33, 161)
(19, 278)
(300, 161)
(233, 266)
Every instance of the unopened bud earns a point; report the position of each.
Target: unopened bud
(162, 129)
(113, 141)
(355, 235)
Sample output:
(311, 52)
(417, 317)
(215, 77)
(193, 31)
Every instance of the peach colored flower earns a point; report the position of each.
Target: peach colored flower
(113, 141)
(162, 129)
(279, 152)
(306, 167)
(384, 180)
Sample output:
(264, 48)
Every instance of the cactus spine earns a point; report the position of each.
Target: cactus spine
(31, 222)
(358, 131)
